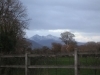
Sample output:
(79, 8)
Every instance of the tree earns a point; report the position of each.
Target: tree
(23, 45)
(67, 38)
(91, 46)
(45, 49)
(56, 47)
(13, 22)
(63, 49)
(98, 46)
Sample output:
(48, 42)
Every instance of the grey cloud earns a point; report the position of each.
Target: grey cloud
(78, 15)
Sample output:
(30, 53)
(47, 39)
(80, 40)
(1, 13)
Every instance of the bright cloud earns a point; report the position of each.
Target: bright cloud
(58, 30)
(81, 37)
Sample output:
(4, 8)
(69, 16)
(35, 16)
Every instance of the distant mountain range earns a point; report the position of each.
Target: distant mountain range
(46, 40)
(40, 41)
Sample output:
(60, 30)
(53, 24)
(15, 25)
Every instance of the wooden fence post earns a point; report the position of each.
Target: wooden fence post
(26, 64)
(76, 62)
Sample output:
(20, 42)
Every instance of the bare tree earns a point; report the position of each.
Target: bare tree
(56, 47)
(68, 38)
(13, 22)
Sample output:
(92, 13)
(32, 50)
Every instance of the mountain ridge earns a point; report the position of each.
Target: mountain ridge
(48, 40)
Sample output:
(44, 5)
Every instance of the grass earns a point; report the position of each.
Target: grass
(65, 61)
(90, 61)
(60, 61)
(53, 61)
(86, 61)
(89, 72)
(58, 71)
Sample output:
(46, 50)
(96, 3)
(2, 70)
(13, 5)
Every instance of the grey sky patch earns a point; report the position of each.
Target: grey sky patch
(75, 15)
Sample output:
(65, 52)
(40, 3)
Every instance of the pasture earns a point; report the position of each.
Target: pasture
(86, 61)
(56, 61)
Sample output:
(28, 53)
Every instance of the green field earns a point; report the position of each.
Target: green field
(87, 61)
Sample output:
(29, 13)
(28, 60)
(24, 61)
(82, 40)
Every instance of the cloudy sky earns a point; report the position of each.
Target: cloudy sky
(81, 17)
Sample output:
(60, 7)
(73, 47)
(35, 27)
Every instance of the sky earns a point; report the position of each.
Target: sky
(80, 17)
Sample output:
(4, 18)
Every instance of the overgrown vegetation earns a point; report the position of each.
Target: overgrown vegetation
(13, 22)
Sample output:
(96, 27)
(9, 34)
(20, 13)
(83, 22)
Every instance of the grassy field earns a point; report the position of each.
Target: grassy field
(60, 61)
(86, 61)
(65, 61)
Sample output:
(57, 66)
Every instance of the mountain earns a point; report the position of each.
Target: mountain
(34, 44)
(46, 40)
(38, 37)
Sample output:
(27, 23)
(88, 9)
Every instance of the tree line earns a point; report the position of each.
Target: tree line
(69, 46)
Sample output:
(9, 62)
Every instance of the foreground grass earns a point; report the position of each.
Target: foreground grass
(86, 61)
(95, 61)
(53, 72)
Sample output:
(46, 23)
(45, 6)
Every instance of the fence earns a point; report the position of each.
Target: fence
(76, 66)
